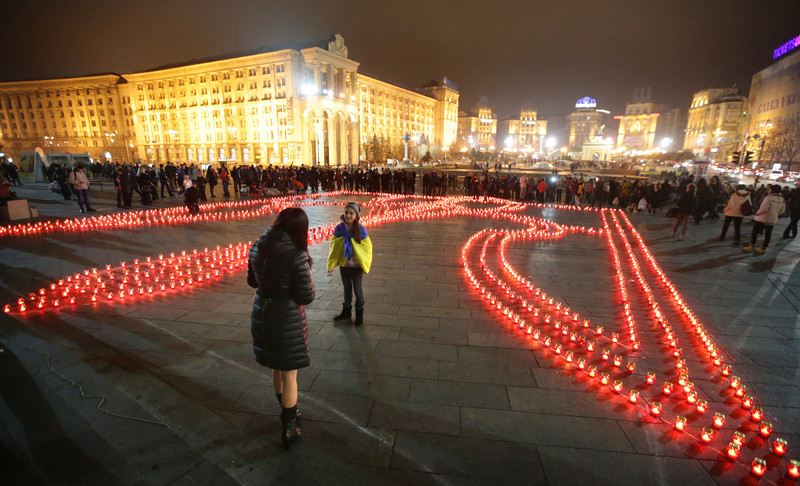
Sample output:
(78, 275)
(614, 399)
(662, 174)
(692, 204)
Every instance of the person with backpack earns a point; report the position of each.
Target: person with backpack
(766, 218)
(739, 206)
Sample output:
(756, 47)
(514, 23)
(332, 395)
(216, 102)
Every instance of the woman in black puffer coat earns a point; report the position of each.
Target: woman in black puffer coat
(279, 267)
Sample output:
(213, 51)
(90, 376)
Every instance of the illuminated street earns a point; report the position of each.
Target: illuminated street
(502, 344)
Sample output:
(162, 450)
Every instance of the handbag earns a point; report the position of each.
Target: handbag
(747, 208)
(672, 213)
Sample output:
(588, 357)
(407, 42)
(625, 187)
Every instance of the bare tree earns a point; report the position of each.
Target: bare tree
(782, 144)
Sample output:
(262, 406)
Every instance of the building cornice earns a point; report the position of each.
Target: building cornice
(284, 55)
(367, 80)
(103, 80)
(319, 54)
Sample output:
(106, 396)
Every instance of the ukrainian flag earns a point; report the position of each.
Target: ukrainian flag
(343, 247)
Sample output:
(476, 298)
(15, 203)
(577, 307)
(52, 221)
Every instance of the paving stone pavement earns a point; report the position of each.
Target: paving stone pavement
(433, 389)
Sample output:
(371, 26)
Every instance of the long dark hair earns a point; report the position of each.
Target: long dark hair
(294, 222)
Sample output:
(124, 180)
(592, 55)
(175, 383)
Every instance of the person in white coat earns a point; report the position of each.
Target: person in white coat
(766, 218)
(734, 214)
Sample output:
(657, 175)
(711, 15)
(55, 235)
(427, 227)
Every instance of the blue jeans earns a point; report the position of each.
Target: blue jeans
(83, 198)
(351, 281)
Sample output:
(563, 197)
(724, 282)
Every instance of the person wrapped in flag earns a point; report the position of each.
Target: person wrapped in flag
(351, 251)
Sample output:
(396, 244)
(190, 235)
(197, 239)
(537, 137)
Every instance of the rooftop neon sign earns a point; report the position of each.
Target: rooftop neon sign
(792, 44)
(586, 102)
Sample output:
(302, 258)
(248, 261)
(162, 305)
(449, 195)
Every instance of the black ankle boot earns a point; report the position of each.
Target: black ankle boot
(290, 433)
(280, 402)
(359, 317)
(346, 314)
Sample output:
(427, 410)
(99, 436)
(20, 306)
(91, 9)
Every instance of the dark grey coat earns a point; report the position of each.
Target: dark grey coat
(281, 274)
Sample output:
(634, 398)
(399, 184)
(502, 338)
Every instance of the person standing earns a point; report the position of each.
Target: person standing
(225, 178)
(766, 218)
(80, 183)
(686, 203)
(211, 179)
(704, 197)
(794, 212)
(351, 250)
(733, 212)
(279, 268)
(541, 189)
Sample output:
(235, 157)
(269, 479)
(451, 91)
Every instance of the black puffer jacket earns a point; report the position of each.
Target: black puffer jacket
(281, 274)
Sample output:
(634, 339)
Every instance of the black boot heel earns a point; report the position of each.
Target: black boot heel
(291, 432)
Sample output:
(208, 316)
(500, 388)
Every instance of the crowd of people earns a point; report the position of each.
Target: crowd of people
(9, 177)
(694, 198)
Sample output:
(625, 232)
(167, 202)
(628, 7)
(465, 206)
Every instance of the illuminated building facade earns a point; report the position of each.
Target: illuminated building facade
(773, 109)
(637, 128)
(75, 115)
(524, 135)
(714, 121)
(445, 111)
(647, 125)
(389, 112)
(478, 129)
(300, 104)
(586, 123)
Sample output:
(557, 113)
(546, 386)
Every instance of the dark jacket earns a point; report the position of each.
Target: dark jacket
(686, 202)
(281, 274)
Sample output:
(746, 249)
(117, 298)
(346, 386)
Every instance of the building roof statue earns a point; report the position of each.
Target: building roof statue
(336, 45)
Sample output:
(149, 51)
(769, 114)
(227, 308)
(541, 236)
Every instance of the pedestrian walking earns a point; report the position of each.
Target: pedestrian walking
(738, 204)
(351, 250)
(766, 218)
(686, 204)
(279, 268)
(794, 212)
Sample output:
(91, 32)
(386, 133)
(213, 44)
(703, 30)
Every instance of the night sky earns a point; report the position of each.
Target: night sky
(545, 54)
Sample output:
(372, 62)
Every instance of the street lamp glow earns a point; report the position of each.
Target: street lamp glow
(665, 142)
(551, 142)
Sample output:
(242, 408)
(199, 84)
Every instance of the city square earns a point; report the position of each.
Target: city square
(574, 225)
(441, 384)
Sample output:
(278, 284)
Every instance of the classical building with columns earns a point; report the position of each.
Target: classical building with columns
(292, 104)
